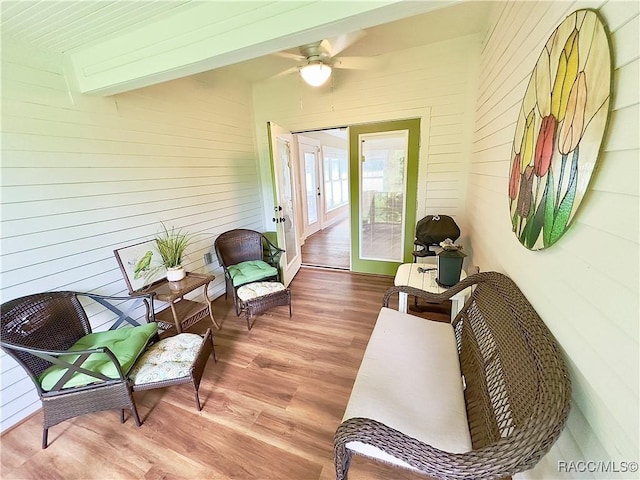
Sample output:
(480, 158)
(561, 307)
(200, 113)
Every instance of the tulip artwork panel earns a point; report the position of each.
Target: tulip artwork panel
(560, 129)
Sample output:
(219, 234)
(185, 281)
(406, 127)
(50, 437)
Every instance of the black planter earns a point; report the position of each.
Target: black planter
(449, 267)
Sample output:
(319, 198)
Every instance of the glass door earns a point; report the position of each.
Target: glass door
(281, 145)
(311, 183)
(384, 171)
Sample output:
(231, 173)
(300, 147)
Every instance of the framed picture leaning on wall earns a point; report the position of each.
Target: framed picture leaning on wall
(141, 264)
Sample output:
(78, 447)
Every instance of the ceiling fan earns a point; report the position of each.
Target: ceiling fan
(322, 56)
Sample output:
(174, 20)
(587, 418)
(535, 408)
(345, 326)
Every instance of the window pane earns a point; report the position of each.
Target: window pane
(382, 196)
(311, 187)
(336, 175)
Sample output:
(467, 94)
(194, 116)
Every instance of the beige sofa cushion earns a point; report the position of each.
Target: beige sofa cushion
(410, 380)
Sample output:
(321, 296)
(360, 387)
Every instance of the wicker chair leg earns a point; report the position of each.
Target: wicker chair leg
(248, 319)
(195, 390)
(237, 304)
(136, 417)
(45, 434)
(122, 415)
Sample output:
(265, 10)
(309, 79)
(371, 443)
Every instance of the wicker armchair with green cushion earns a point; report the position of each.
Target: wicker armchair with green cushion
(246, 256)
(76, 371)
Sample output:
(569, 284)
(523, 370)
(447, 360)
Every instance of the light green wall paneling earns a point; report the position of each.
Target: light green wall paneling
(84, 175)
(586, 287)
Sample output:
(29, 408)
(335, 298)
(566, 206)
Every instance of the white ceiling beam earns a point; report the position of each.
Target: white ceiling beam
(216, 34)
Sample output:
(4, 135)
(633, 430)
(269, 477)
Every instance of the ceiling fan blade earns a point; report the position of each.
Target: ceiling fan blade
(288, 71)
(357, 63)
(290, 56)
(335, 45)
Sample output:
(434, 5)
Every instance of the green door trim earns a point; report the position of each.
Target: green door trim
(413, 127)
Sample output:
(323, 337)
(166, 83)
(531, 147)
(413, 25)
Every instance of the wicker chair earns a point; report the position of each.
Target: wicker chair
(38, 332)
(241, 247)
(517, 391)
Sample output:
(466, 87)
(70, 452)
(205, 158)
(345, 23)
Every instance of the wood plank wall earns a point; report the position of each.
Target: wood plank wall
(435, 82)
(586, 286)
(82, 176)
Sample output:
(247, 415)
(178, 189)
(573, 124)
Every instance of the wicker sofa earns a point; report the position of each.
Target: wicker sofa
(483, 397)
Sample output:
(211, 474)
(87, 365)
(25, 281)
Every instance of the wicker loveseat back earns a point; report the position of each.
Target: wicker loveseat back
(517, 390)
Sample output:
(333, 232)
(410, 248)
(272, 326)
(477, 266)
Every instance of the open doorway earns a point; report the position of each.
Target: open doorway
(324, 198)
(355, 208)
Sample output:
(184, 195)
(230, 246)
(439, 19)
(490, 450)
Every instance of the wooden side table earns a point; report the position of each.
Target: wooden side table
(182, 312)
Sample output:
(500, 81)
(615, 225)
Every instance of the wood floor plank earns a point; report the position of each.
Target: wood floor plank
(271, 403)
(330, 247)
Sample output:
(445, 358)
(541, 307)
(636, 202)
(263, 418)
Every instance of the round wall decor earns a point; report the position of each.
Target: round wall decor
(560, 129)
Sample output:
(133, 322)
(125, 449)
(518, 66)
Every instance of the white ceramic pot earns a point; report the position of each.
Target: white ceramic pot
(175, 274)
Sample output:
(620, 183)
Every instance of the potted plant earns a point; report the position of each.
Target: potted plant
(171, 246)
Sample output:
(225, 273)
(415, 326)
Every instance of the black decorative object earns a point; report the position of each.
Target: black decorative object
(432, 230)
(449, 263)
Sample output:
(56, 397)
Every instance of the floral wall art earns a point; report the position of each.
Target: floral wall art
(559, 131)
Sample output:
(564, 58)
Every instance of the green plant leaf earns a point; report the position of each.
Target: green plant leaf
(566, 205)
(538, 219)
(171, 246)
(549, 213)
(527, 228)
(524, 233)
(514, 221)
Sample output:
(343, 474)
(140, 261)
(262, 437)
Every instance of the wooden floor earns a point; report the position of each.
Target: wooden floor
(330, 247)
(270, 405)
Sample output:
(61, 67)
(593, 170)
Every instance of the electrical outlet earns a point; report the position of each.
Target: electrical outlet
(208, 259)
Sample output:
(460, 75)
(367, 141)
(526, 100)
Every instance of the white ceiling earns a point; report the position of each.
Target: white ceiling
(68, 27)
(464, 18)
(64, 26)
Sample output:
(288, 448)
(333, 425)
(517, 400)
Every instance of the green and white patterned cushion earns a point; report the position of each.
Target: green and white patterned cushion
(168, 359)
(258, 289)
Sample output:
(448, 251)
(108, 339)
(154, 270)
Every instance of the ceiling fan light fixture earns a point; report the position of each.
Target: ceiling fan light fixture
(315, 74)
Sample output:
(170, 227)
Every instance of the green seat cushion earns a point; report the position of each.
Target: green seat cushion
(126, 344)
(250, 271)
